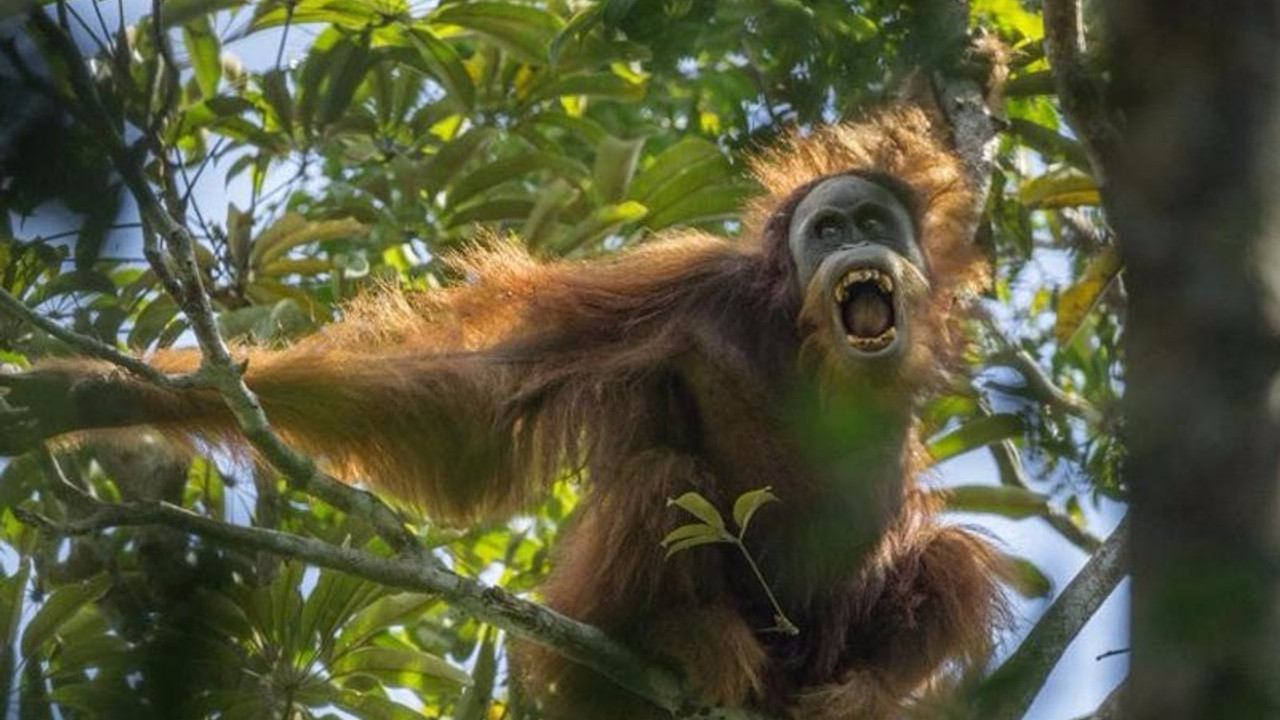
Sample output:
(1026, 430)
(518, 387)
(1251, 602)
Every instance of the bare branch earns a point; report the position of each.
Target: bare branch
(1009, 691)
(577, 641)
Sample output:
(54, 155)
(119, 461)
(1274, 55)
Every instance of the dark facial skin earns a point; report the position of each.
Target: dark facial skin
(854, 243)
(844, 212)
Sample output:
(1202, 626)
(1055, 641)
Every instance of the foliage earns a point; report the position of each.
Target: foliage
(317, 147)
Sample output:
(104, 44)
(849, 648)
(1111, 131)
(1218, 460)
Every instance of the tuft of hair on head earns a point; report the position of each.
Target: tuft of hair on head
(903, 142)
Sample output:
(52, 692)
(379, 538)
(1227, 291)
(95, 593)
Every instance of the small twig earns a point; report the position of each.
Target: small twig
(61, 486)
(15, 308)
(1080, 91)
(1009, 691)
(1113, 653)
(1012, 472)
(783, 625)
(1044, 389)
(1038, 383)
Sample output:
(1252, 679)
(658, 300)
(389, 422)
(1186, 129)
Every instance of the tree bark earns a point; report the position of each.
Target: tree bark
(1191, 194)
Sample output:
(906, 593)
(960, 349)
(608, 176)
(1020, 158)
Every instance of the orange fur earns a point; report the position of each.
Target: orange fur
(670, 368)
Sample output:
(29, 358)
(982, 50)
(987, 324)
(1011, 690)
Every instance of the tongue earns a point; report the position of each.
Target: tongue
(867, 313)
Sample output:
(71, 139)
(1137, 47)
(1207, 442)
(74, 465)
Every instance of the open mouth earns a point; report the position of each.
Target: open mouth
(865, 299)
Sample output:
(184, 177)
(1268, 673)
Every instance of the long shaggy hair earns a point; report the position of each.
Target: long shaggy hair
(661, 370)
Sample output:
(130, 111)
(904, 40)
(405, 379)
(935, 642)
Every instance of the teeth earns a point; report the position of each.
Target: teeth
(853, 277)
(876, 343)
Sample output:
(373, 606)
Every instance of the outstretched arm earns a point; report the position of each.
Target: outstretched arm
(463, 400)
(428, 428)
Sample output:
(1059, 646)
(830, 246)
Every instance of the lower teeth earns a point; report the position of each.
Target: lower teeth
(877, 342)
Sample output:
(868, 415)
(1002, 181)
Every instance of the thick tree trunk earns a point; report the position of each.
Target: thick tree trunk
(1193, 198)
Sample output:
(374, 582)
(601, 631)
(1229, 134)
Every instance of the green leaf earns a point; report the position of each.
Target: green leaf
(443, 167)
(293, 229)
(525, 32)
(275, 90)
(1027, 579)
(615, 10)
(604, 85)
(492, 210)
(615, 166)
(61, 605)
(745, 507)
(203, 51)
(368, 706)
(700, 508)
(716, 202)
(695, 530)
(511, 168)
(335, 597)
(577, 28)
(476, 700)
(379, 615)
(351, 14)
(585, 129)
(152, 321)
(671, 162)
(441, 61)
(1009, 501)
(349, 62)
(598, 225)
(77, 281)
(1060, 187)
(554, 197)
(398, 667)
(976, 433)
(682, 545)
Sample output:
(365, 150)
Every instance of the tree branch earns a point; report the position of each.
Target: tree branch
(181, 275)
(577, 641)
(16, 309)
(1009, 691)
(1080, 91)
(1043, 388)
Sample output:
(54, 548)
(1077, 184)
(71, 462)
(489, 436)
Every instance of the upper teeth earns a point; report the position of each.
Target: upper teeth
(853, 277)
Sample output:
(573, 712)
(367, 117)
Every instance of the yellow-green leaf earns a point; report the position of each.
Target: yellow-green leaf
(525, 32)
(1077, 302)
(61, 605)
(1060, 187)
(398, 667)
(293, 229)
(700, 508)
(1009, 501)
(974, 434)
(203, 51)
(745, 507)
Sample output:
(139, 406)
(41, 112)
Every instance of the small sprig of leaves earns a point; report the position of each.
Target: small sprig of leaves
(711, 529)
